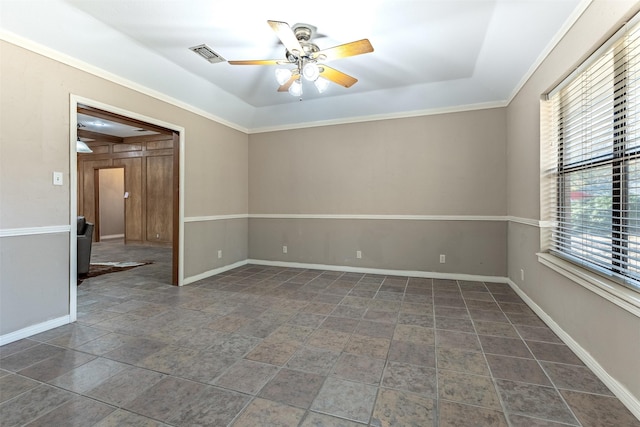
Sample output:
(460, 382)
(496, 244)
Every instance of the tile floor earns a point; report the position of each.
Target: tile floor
(267, 346)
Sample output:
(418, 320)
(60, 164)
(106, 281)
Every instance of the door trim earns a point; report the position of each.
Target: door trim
(178, 205)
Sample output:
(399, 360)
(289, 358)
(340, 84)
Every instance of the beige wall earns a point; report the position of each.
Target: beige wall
(435, 166)
(447, 164)
(34, 280)
(34, 118)
(608, 333)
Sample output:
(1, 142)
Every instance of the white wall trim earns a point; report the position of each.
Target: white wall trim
(382, 271)
(525, 221)
(33, 329)
(215, 217)
(114, 78)
(515, 219)
(379, 117)
(571, 20)
(30, 231)
(383, 217)
(625, 396)
(624, 298)
(209, 273)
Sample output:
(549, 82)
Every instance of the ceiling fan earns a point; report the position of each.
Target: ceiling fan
(308, 59)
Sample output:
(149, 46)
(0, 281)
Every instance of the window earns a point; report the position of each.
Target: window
(594, 174)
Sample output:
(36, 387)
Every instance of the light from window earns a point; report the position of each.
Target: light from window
(595, 172)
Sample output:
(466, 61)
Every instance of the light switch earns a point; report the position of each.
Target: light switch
(57, 178)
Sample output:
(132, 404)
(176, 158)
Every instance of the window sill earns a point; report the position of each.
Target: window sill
(619, 295)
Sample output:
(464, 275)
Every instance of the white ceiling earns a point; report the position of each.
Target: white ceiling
(109, 127)
(429, 55)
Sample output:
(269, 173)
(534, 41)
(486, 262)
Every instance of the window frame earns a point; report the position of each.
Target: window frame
(619, 159)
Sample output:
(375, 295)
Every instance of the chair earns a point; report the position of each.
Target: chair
(85, 236)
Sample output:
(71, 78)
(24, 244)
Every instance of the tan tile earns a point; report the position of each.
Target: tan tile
(534, 401)
(273, 352)
(288, 332)
(262, 412)
(33, 404)
(165, 398)
(517, 369)
(595, 410)
(293, 388)
(328, 339)
(495, 328)
(345, 399)
(199, 410)
(452, 414)
(368, 346)
(359, 368)
(313, 419)
(413, 378)
(573, 377)
(400, 408)
(12, 385)
(455, 359)
(466, 388)
(121, 418)
(125, 386)
(316, 360)
(414, 334)
(79, 411)
(230, 323)
(246, 376)
(413, 353)
(550, 352)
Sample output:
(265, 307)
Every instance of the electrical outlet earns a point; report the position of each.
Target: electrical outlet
(219, 253)
(443, 258)
(284, 249)
(358, 254)
(522, 274)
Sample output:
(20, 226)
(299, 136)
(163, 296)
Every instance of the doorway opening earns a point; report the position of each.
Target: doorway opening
(128, 185)
(110, 201)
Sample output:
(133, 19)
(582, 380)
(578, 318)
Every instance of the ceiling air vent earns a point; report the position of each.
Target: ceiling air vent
(207, 53)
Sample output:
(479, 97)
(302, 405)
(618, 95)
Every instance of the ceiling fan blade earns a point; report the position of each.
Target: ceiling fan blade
(287, 37)
(337, 76)
(285, 87)
(257, 62)
(344, 50)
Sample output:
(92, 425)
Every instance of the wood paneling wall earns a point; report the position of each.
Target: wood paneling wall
(148, 178)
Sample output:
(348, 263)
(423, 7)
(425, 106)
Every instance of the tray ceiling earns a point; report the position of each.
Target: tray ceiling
(429, 55)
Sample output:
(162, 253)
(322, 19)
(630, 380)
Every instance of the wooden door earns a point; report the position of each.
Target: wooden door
(133, 208)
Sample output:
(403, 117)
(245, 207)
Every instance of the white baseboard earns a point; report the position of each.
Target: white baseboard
(112, 237)
(34, 329)
(388, 272)
(209, 273)
(626, 397)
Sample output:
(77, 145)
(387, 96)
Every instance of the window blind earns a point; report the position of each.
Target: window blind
(594, 198)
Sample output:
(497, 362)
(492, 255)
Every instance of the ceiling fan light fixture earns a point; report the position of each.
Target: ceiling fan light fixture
(310, 71)
(282, 75)
(321, 84)
(296, 88)
(81, 147)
